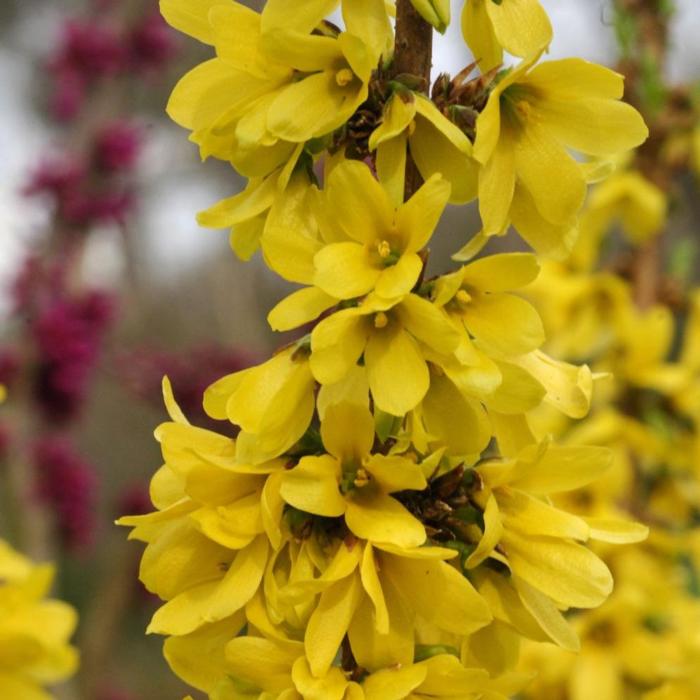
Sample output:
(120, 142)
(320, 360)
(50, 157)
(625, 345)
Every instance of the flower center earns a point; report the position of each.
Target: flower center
(344, 77)
(381, 320)
(463, 297)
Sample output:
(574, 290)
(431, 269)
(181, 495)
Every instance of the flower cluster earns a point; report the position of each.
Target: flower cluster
(67, 483)
(643, 641)
(383, 524)
(93, 49)
(32, 656)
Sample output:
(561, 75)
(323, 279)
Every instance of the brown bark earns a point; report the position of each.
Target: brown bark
(413, 54)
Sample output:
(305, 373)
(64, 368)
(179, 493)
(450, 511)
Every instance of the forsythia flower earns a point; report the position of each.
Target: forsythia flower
(436, 146)
(34, 631)
(378, 245)
(532, 117)
(350, 481)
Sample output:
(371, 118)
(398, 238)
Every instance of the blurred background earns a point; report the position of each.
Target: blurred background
(107, 283)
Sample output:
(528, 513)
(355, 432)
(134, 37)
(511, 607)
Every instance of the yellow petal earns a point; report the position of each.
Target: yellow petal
(567, 572)
(327, 106)
(398, 280)
(569, 387)
(496, 185)
(398, 375)
(262, 662)
(368, 20)
(503, 324)
(548, 616)
(617, 531)
(597, 127)
(300, 308)
(255, 199)
(347, 431)
(398, 114)
(456, 421)
(312, 486)
(501, 273)
(329, 623)
(560, 468)
(394, 473)
(549, 174)
(191, 18)
(373, 587)
(530, 516)
(359, 204)
(391, 167)
(337, 344)
(345, 270)
(521, 26)
(377, 517)
(552, 240)
(394, 683)
(519, 391)
(458, 609)
(418, 218)
(198, 658)
(428, 324)
(375, 650)
(301, 18)
(478, 32)
(493, 529)
(331, 686)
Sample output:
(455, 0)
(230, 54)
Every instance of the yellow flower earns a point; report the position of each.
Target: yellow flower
(252, 215)
(629, 199)
(351, 481)
(538, 542)
(476, 296)
(242, 106)
(279, 668)
(208, 540)
(521, 27)
(436, 146)
(532, 117)
(273, 419)
(391, 338)
(377, 244)
(34, 631)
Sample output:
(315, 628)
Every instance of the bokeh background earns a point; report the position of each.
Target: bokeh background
(98, 196)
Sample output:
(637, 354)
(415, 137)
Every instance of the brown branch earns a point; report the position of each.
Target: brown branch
(651, 42)
(413, 55)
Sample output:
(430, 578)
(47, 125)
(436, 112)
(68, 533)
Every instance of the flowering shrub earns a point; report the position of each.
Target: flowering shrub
(387, 523)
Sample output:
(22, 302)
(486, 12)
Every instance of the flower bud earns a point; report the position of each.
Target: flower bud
(436, 12)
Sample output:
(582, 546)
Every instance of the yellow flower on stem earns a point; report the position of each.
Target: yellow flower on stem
(391, 337)
(378, 248)
(208, 540)
(477, 296)
(540, 543)
(521, 27)
(533, 116)
(352, 482)
(272, 403)
(242, 106)
(411, 121)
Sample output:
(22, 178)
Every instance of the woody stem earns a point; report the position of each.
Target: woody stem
(413, 54)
